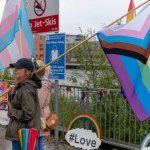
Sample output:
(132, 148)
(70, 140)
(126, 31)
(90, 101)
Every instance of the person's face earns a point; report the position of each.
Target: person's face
(20, 73)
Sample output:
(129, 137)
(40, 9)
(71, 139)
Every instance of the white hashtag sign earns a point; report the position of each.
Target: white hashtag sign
(81, 138)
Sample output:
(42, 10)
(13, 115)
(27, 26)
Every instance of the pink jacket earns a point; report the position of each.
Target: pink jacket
(44, 100)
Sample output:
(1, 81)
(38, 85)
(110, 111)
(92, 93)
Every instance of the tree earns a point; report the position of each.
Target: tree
(95, 68)
(6, 74)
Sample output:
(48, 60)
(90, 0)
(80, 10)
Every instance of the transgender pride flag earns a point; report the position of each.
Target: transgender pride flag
(13, 36)
(128, 49)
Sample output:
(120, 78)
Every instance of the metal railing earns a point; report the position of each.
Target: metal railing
(119, 126)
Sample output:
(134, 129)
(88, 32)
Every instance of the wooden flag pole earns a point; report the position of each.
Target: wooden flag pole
(19, 24)
(20, 37)
(73, 48)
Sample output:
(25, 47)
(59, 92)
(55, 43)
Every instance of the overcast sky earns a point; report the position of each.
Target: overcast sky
(88, 13)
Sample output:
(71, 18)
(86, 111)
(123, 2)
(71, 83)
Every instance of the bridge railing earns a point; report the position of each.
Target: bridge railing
(119, 126)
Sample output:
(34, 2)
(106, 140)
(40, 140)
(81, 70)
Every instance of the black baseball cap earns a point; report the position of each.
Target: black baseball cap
(23, 63)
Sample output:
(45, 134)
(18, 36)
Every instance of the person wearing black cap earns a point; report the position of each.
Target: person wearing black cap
(25, 111)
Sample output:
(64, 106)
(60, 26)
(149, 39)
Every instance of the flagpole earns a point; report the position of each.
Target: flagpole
(73, 48)
(20, 38)
(19, 24)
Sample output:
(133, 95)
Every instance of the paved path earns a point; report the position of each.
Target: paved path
(6, 145)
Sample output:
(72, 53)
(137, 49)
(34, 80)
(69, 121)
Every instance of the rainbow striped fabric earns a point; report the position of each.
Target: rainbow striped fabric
(28, 138)
(131, 15)
(10, 33)
(127, 48)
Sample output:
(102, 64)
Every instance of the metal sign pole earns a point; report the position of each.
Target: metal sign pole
(56, 92)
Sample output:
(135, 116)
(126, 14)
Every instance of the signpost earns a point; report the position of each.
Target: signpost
(56, 46)
(43, 15)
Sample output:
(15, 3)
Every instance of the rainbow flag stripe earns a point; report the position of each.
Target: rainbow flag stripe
(131, 15)
(127, 49)
(28, 138)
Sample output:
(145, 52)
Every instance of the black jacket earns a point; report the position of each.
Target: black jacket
(25, 111)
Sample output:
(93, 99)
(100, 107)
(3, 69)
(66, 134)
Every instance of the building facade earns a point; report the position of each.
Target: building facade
(71, 40)
(39, 46)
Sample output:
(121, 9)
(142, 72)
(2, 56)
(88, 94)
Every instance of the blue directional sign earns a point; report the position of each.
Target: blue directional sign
(56, 46)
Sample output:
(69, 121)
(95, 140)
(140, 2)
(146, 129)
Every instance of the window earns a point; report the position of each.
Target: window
(41, 45)
(41, 49)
